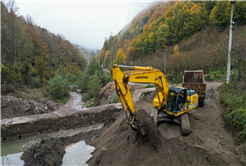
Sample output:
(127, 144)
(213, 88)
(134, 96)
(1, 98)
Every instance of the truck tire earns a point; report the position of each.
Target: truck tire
(201, 103)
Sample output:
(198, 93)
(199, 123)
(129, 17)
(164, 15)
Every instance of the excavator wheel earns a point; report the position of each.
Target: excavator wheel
(185, 124)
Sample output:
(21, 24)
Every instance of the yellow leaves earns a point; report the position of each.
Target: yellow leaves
(176, 49)
(120, 57)
(34, 71)
(195, 9)
(184, 7)
(151, 19)
(145, 29)
(151, 37)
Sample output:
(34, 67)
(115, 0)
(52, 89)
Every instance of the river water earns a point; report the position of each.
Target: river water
(76, 154)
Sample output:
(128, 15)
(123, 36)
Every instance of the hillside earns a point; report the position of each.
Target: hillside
(30, 53)
(167, 24)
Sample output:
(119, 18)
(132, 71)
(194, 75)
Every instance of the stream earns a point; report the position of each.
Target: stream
(76, 154)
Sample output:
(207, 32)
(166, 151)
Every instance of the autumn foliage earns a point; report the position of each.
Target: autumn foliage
(30, 51)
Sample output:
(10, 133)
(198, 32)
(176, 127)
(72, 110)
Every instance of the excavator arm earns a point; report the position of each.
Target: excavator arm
(139, 75)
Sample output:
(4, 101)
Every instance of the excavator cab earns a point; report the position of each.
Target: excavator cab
(176, 100)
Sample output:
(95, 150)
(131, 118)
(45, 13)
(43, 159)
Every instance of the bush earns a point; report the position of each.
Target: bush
(58, 87)
(91, 104)
(233, 97)
(115, 98)
(64, 100)
(36, 81)
(85, 97)
(2, 88)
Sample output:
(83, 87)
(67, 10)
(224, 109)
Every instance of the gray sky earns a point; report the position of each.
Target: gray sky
(85, 23)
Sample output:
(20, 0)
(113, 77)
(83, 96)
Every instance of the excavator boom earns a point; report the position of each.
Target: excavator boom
(143, 75)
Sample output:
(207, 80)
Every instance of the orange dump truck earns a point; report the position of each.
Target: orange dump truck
(194, 79)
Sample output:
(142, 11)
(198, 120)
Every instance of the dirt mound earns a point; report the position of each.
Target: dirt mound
(48, 152)
(12, 106)
(152, 137)
(120, 145)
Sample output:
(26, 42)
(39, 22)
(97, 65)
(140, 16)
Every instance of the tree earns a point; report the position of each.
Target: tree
(95, 85)
(94, 66)
(220, 14)
(120, 57)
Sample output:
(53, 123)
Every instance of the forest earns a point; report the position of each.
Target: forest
(31, 54)
(192, 35)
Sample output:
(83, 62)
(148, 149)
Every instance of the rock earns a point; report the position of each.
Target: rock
(78, 90)
(197, 117)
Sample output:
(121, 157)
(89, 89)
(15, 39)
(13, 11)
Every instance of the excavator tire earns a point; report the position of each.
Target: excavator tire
(185, 126)
(154, 114)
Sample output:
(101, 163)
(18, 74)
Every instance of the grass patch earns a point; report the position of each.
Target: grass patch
(90, 105)
(64, 100)
(233, 96)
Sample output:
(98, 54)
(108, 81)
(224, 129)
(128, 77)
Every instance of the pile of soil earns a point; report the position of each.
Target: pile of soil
(208, 144)
(121, 145)
(48, 152)
(12, 106)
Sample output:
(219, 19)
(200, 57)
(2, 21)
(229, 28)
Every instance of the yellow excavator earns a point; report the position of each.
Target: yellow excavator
(170, 103)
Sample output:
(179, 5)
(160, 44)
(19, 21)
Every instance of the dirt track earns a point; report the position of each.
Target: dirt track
(208, 144)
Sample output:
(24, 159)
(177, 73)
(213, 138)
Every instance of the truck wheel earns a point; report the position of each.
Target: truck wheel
(201, 103)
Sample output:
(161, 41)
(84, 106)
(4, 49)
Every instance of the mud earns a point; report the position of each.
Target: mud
(48, 152)
(12, 106)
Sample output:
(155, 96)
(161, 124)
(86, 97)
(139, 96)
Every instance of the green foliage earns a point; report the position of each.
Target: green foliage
(71, 78)
(58, 87)
(83, 82)
(90, 105)
(28, 51)
(63, 100)
(233, 97)
(3, 88)
(22, 95)
(174, 77)
(94, 66)
(85, 97)
(95, 85)
(115, 98)
(36, 81)
(149, 86)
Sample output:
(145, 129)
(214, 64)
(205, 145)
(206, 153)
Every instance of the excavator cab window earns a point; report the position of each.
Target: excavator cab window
(171, 102)
(181, 100)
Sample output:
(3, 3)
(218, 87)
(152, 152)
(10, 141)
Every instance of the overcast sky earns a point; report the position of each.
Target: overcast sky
(85, 23)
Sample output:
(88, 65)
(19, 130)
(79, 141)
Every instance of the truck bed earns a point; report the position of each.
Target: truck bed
(200, 88)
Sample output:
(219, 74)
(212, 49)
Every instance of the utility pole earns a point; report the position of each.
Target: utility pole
(229, 47)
